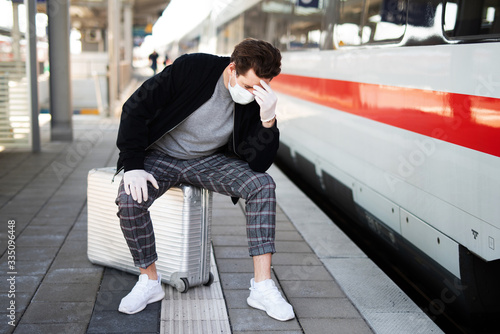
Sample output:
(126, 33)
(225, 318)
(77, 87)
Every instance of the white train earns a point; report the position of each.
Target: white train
(391, 109)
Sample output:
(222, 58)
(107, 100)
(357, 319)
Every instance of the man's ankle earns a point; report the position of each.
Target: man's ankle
(153, 276)
(150, 271)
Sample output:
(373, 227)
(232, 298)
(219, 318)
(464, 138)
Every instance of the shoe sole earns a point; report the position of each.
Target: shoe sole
(255, 304)
(150, 301)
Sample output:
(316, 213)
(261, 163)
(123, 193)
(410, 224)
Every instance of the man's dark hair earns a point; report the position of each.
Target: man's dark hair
(261, 56)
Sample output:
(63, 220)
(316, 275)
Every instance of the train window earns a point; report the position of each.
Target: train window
(305, 26)
(367, 22)
(471, 19)
(384, 20)
(269, 20)
(348, 29)
(288, 24)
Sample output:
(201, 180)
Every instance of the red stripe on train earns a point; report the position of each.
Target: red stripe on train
(466, 120)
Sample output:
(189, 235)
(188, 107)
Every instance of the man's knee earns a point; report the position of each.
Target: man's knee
(127, 205)
(265, 181)
(262, 185)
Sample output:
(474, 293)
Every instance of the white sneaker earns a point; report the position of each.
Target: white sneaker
(266, 297)
(145, 292)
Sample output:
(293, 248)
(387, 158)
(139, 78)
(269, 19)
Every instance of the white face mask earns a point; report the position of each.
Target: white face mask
(239, 94)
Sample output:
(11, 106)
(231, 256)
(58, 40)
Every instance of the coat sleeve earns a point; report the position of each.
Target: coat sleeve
(265, 148)
(138, 112)
(257, 145)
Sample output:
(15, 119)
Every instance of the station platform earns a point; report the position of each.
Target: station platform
(330, 282)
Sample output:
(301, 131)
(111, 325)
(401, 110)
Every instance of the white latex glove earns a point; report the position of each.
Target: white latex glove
(267, 100)
(136, 184)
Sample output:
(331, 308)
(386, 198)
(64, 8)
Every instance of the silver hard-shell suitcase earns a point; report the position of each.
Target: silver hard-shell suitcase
(181, 220)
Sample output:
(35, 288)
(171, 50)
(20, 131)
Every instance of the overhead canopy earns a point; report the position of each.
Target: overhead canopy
(93, 13)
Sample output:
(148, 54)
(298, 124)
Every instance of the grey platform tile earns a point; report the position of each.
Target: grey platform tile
(68, 213)
(6, 195)
(60, 199)
(45, 180)
(74, 275)
(20, 218)
(117, 280)
(73, 255)
(365, 284)
(236, 298)
(299, 209)
(29, 268)
(51, 221)
(73, 328)
(146, 321)
(13, 185)
(12, 209)
(229, 230)
(24, 283)
(269, 332)
(340, 307)
(36, 196)
(224, 221)
(57, 312)
(238, 281)
(252, 319)
(378, 298)
(5, 328)
(311, 289)
(231, 252)
(402, 323)
(292, 246)
(21, 299)
(229, 240)
(35, 253)
(39, 241)
(303, 272)
(25, 171)
(110, 300)
(39, 230)
(288, 236)
(225, 207)
(296, 259)
(235, 265)
(77, 233)
(69, 197)
(20, 226)
(335, 326)
(328, 241)
(12, 159)
(81, 222)
(69, 261)
(284, 225)
(48, 292)
(80, 226)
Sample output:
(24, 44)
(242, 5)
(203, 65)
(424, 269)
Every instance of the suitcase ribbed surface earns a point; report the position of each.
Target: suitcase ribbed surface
(181, 220)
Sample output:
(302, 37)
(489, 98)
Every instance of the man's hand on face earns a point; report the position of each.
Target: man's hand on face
(136, 184)
(267, 100)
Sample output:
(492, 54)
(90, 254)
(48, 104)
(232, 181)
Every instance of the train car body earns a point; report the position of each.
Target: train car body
(391, 109)
(386, 136)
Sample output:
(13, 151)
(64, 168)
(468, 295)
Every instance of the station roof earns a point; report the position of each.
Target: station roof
(93, 13)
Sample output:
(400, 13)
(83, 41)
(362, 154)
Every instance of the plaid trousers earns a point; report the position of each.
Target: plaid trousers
(218, 173)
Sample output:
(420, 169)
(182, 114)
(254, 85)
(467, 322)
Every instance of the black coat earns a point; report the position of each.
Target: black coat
(166, 99)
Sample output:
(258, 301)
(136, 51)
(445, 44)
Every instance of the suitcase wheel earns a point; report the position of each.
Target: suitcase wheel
(210, 279)
(182, 285)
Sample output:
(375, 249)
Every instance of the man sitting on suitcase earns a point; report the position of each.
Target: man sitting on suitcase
(208, 121)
